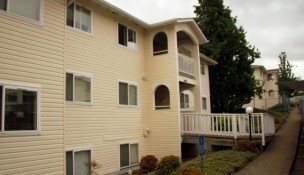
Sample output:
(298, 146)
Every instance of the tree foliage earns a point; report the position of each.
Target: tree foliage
(232, 82)
(285, 73)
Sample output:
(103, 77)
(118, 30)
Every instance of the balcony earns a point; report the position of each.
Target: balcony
(186, 65)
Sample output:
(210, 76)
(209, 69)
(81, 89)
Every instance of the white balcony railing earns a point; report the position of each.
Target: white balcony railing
(228, 124)
(185, 64)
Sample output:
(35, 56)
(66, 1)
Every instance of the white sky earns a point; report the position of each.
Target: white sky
(272, 26)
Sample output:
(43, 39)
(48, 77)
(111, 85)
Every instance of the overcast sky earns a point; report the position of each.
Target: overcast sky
(272, 26)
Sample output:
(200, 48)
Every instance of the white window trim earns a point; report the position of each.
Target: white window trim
(137, 95)
(187, 108)
(26, 86)
(90, 148)
(74, 28)
(130, 143)
(152, 46)
(165, 106)
(87, 75)
(127, 46)
(23, 18)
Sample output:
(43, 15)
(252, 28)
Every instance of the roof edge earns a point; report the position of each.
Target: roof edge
(209, 60)
(122, 12)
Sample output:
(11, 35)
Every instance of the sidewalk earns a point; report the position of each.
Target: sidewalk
(278, 157)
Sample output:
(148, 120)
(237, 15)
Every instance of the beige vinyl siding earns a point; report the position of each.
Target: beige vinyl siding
(205, 87)
(103, 125)
(164, 138)
(33, 54)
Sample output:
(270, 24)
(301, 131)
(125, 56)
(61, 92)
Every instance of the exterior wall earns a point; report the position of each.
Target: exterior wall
(266, 101)
(42, 54)
(162, 70)
(270, 85)
(33, 53)
(205, 87)
(103, 125)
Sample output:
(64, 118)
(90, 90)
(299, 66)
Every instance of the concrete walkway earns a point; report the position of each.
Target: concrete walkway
(278, 157)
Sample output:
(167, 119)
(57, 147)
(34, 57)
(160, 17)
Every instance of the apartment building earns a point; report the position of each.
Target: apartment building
(270, 95)
(84, 80)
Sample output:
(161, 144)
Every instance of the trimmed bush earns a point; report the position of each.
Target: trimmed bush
(167, 165)
(246, 145)
(187, 171)
(148, 163)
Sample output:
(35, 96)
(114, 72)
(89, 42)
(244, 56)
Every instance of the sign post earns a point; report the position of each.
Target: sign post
(201, 149)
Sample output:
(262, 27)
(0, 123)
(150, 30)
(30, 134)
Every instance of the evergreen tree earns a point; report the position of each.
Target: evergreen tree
(285, 74)
(232, 82)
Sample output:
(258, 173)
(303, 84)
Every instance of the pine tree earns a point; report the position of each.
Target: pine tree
(232, 82)
(285, 74)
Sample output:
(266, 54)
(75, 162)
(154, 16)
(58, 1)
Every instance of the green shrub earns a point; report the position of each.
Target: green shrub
(187, 171)
(167, 165)
(148, 163)
(246, 145)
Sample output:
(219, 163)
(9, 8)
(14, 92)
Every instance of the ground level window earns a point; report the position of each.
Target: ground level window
(75, 162)
(18, 108)
(129, 154)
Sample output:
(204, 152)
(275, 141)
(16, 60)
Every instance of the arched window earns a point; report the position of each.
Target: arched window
(271, 93)
(160, 43)
(162, 97)
(269, 77)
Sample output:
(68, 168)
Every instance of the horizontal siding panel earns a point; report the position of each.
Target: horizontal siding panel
(26, 63)
(21, 25)
(30, 44)
(27, 70)
(55, 168)
(25, 36)
(30, 165)
(42, 55)
(24, 55)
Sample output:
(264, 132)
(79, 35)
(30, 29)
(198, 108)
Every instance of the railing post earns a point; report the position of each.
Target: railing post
(263, 132)
(234, 127)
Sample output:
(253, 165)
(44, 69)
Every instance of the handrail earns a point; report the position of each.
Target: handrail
(227, 124)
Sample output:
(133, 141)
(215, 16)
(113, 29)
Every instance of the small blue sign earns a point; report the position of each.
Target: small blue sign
(201, 145)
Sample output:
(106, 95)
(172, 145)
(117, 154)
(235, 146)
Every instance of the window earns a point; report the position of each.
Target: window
(160, 43)
(75, 162)
(127, 94)
(19, 109)
(162, 97)
(79, 17)
(270, 77)
(78, 88)
(184, 100)
(129, 154)
(126, 36)
(271, 93)
(202, 69)
(204, 103)
(30, 9)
